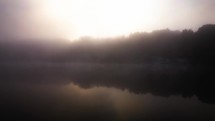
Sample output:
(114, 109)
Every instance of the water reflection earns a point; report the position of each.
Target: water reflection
(131, 106)
(162, 80)
(79, 92)
(71, 102)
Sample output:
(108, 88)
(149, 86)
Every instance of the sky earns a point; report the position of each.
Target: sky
(72, 19)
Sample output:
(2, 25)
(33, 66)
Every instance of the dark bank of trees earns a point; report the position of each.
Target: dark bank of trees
(196, 48)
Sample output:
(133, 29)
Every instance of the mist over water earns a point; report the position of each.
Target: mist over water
(163, 75)
(107, 60)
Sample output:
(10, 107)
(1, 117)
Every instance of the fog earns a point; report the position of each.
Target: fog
(30, 19)
(159, 75)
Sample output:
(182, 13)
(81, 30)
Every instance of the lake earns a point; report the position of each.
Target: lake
(103, 92)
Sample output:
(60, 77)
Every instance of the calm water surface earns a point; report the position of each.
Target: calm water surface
(97, 92)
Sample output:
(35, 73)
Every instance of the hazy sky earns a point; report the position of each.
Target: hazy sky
(71, 19)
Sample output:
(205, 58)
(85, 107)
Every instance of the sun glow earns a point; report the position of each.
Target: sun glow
(102, 18)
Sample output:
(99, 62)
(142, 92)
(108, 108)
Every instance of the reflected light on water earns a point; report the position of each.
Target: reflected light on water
(130, 105)
(73, 102)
